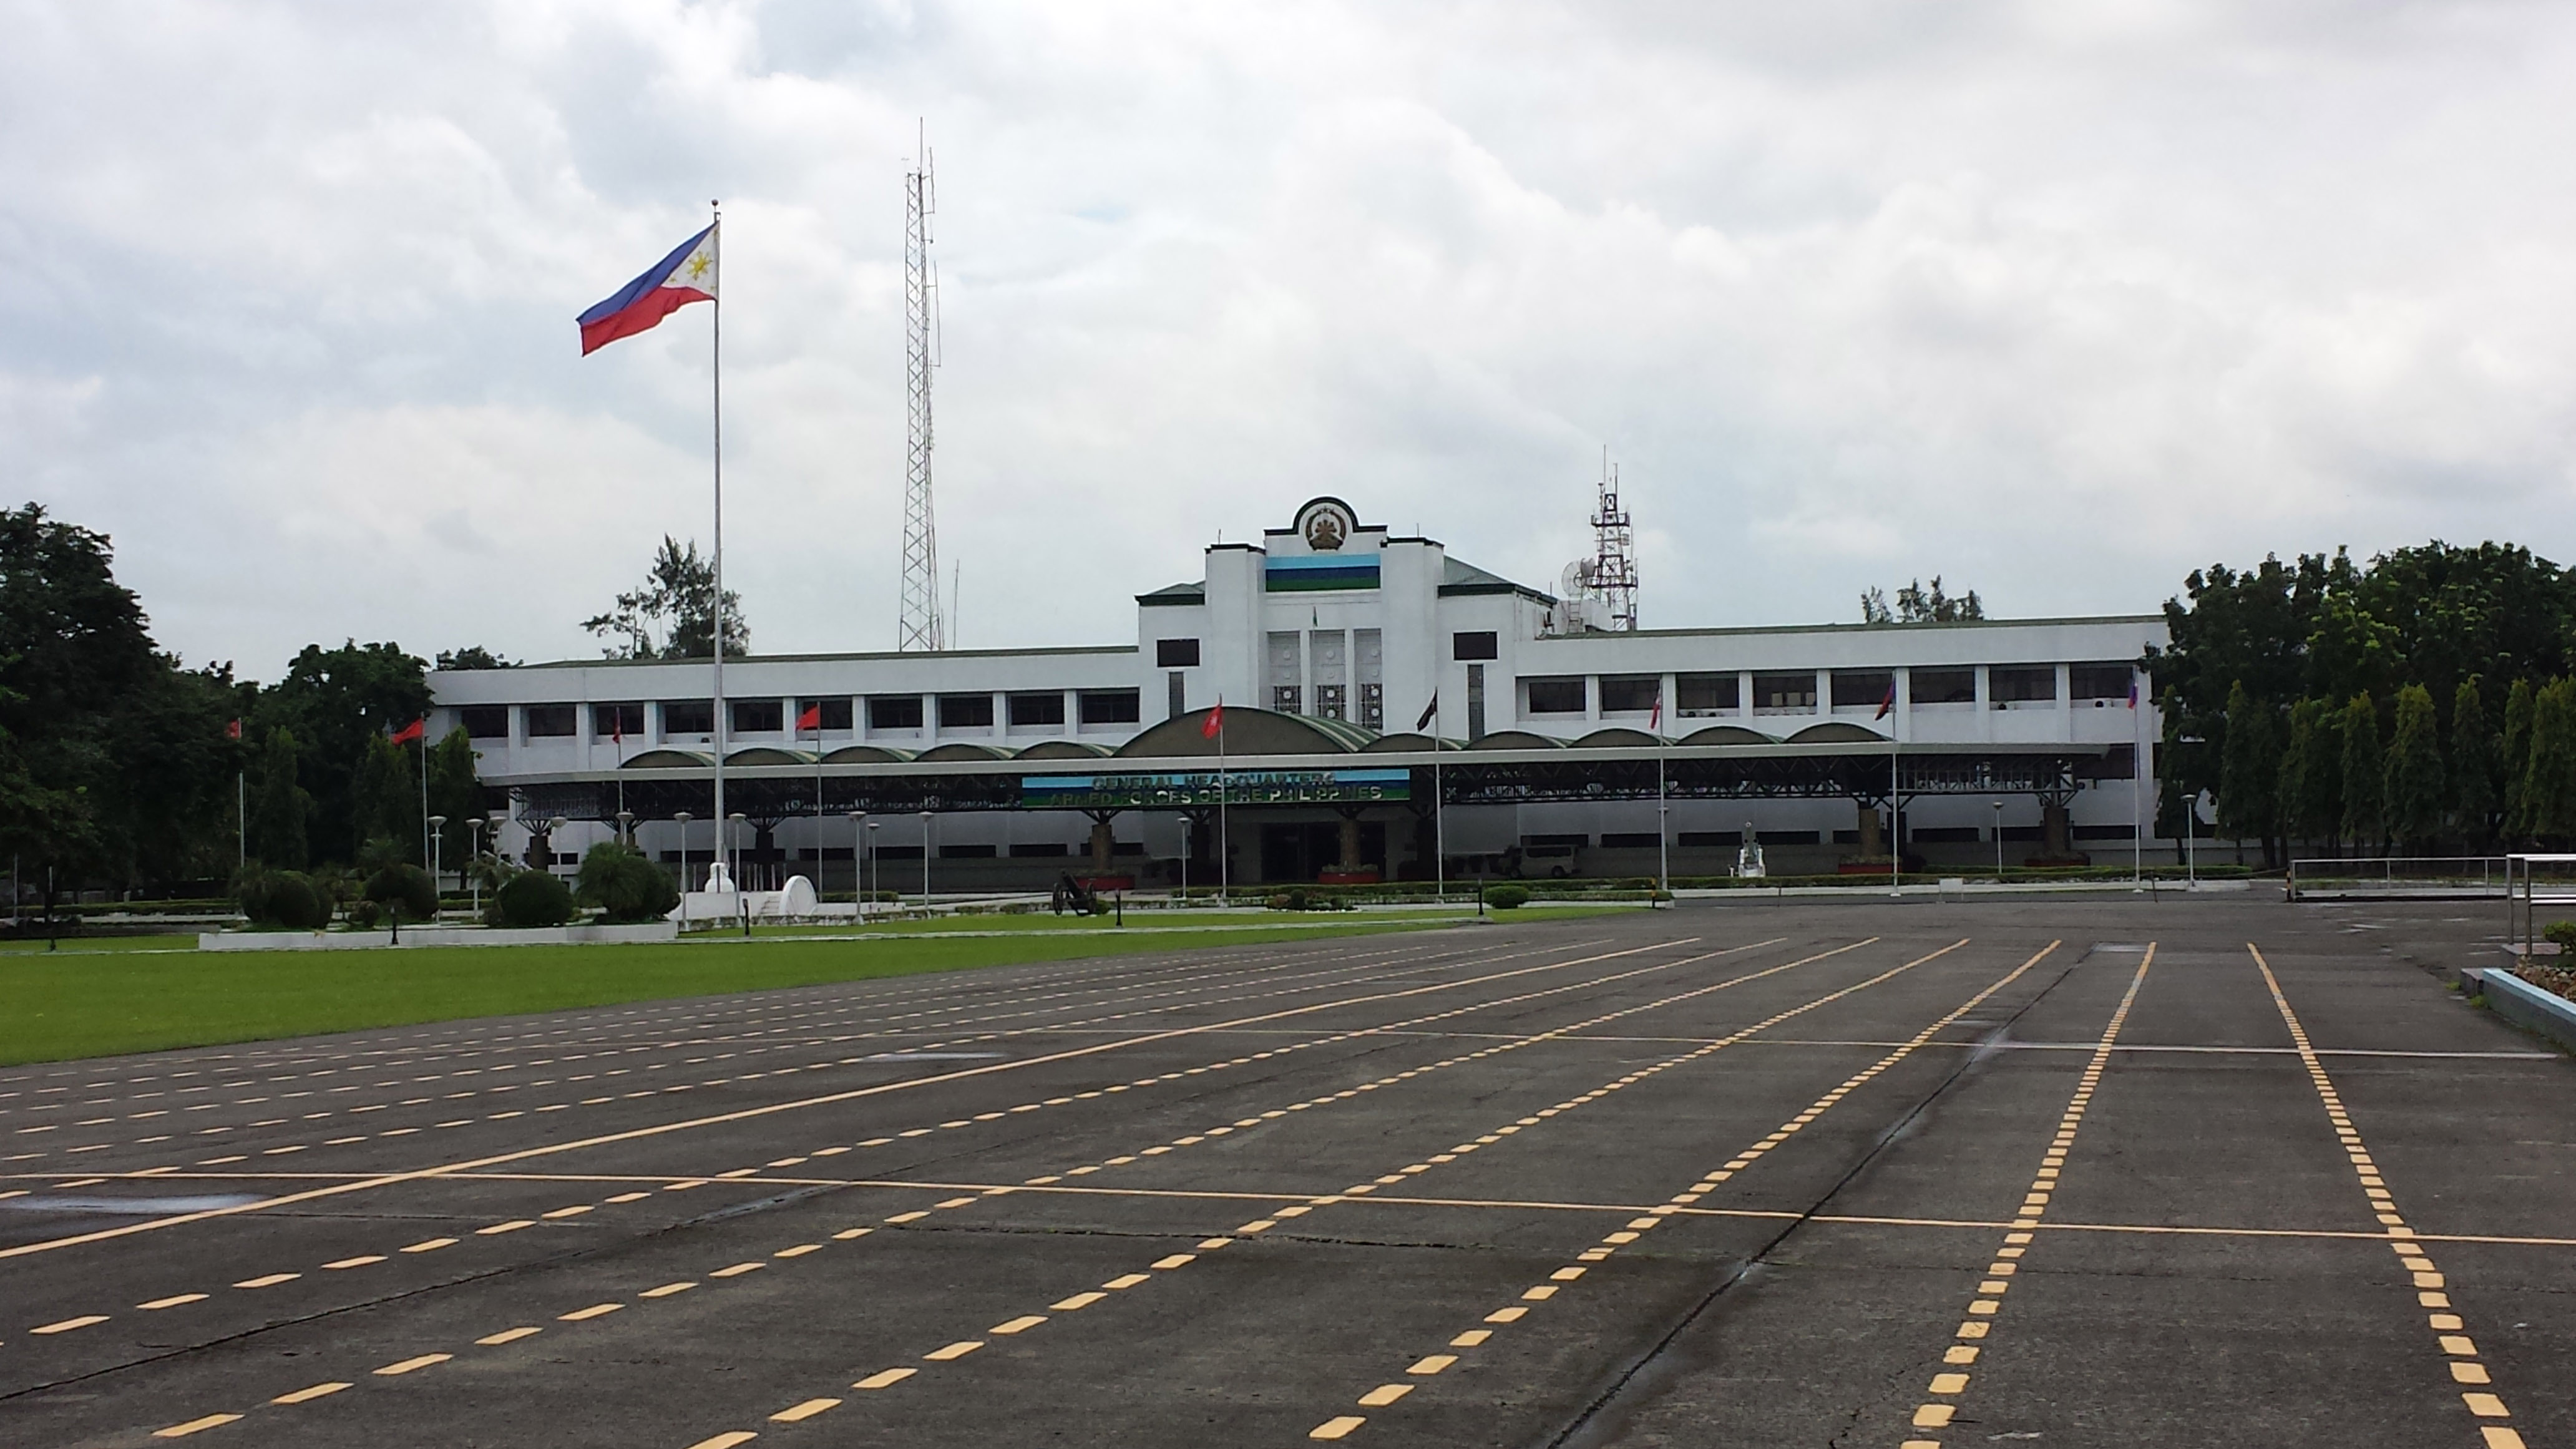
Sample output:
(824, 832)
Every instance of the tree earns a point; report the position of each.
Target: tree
(473, 656)
(532, 898)
(2473, 765)
(277, 822)
(2549, 781)
(625, 884)
(338, 701)
(2249, 770)
(385, 801)
(456, 792)
(1916, 604)
(2413, 788)
(2364, 815)
(2309, 760)
(2514, 758)
(672, 616)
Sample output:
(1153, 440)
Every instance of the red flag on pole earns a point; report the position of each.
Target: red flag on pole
(1215, 721)
(417, 729)
(1888, 703)
(811, 718)
(233, 731)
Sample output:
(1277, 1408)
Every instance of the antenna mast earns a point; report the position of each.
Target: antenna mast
(918, 625)
(1614, 554)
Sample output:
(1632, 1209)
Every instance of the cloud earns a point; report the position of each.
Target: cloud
(2055, 301)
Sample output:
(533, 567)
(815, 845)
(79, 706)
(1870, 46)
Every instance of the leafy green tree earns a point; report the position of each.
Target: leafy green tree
(385, 800)
(2309, 754)
(473, 656)
(1916, 604)
(284, 808)
(2549, 781)
(532, 898)
(455, 791)
(673, 615)
(2414, 788)
(2515, 761)
(338, 702)
(2364, 799)
(2249, 789)
(626, 884)
(405, 888)
(2473, 767)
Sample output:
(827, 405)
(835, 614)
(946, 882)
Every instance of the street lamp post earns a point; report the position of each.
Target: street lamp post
(925, 861)
(733, 847)
(626, 828)
(437, 849)
(683, 817)
(1999, 842)
(858, 872)
(473, 853)
(872, 858)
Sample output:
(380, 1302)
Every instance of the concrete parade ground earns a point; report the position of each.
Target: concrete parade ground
(2057, 1172)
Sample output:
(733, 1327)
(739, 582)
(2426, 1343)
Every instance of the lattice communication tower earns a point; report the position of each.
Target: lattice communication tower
(919, 625)
(1614, 554)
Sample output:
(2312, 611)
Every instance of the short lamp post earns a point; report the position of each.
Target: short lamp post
(437, 853)
(1999, 842)
(925, 860)
(858, 868)
(682, 819)
(872, 858)
(733, 846)
(473, 853)
(626, 828)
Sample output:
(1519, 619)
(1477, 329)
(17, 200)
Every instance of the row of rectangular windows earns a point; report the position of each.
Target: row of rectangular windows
(1034, 710)
(1698, 694)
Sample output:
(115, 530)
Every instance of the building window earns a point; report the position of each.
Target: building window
(2022, 686)
(967, 852)
(1555, 696)
(1862, 688)
(1942, 686)
(835, 712)
(1784, 693)
(1287, 699)
(969, 711)
(2100, 683)
(894, 711)
(484, 721)
(1028, 849)
(613, 720)
(1030, 711)
(1479, 645)
(1475, 703)
(1701, 694)
(1373, 706)
(552, 721)
(1176, 692)
(688, 717)
(1331, 701)
(1175, 653)
(1575, 840)
(1630, 693)
(1109, 706)
(757, 716)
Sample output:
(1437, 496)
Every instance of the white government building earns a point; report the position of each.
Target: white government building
(1556, 748)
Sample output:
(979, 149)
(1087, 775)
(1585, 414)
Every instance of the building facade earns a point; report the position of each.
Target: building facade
(2021, 735)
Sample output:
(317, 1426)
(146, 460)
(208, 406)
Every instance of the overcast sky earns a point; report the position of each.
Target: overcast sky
(2055, 299)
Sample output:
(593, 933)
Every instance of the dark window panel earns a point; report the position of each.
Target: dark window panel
(485, 721)
(965, 711)
(1556, 696)
(894, 711)
(1708, 693)
(688, 716)
(1175, 653)
(1942, 686)
(1029, 710)
(1477, 644)
(1629, 692)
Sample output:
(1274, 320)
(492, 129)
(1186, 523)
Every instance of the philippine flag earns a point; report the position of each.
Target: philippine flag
(687, 275)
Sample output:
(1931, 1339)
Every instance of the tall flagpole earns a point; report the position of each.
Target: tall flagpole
(1439, 813)
(716, 358)
(1224, 867)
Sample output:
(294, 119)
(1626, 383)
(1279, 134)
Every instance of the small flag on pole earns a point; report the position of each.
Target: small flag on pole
(1886, 704)
(233, 731)
(1214, 724)
(1430, 712)
(2133, 691)
(811, 718)
(1655, 721)
(417, 729)
(687, 275)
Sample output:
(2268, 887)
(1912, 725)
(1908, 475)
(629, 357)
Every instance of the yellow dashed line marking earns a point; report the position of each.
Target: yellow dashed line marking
(885, 1379)
(306, 1396)
(584, 1315)
(174, 1301)
(182, 1431)
(271, 1281)
(508, 1335)
(413, 1365)
(803, 1411)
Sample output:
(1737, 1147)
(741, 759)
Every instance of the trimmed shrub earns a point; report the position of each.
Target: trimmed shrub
(2561, 934)
(625, 884)
(405, 887)
(533, 898)
(364, 914)
(281, 898)
(1507, 897)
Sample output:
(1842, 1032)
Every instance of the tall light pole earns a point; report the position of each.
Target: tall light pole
(925, 860)
(858, 876)
(733, 847)
(1999, 842)
(473, 853)
(872, 859)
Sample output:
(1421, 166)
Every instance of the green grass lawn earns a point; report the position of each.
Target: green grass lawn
(110, 995)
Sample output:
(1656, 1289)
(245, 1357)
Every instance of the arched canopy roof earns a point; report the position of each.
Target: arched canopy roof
(1249, 732)
(1616, 737)
(866, 755)
(1516, 740)
(1066, 750)
(1728, 735)
(961, 750)
(1837, 732)
(769, 755)
(672, 760)
(1408, 742)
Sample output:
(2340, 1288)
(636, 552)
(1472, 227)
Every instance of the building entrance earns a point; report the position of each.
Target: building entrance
(1304, 851)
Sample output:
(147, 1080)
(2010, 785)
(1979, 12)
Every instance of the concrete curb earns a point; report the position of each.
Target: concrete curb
(2543, 1013)
(435, 936)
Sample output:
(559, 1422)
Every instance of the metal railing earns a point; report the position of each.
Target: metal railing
(2385, 877)
(2532, 881)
